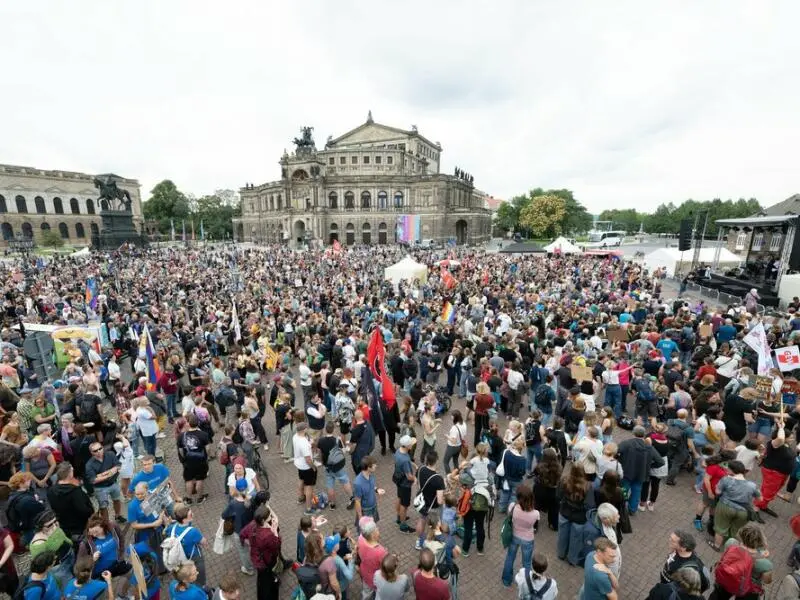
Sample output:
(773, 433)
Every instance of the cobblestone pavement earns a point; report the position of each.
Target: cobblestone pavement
(643, 552)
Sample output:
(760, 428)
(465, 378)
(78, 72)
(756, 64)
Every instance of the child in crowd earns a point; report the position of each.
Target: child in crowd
(306, 525)
(791, 484)
(449, 515)
(124, 452)
(749, 453)
(715, 470)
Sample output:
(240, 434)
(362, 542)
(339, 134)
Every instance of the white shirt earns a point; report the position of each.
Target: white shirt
(302, 448)
(610, 377)
(249, 476)
(538, 584)
(113, 371)
(457, 433)
(146, 422)
(305, 375)
(514, 379)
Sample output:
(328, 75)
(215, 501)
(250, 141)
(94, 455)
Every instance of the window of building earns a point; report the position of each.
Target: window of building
(62, 229)
(398, 199)
(349, 200)
(389, 160)
(74, 207)
(366, 199)
(79, 231)
(758, 241)
(333, 200)
(58, 206)
(3, 207)
(22, 205)
(342, 160)
(354, 160)
(40, 207)
(382, 199)
(252, 207)
(775, 242)
(90, 206)
(331, 161)
(366, 160)
(377, 160)
(740, 240)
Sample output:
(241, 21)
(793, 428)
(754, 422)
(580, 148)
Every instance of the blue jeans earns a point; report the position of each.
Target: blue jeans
(635, 490)
(570, 540)
(172, 409)
(533, 453)
(507, 496)
(547, 419)
(451, 380)
(614, 399)
(462, 384)
(511, 556)
(149, 444)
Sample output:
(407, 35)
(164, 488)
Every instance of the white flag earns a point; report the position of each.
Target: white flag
(237, 328)
(788, 358)
(757, 340)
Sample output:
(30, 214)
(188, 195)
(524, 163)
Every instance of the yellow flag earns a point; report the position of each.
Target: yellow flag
(270, 358)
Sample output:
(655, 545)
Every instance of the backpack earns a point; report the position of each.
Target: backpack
(734, 572)
(88, 409)
(308, 582)
(542, 397)
(30, 584)
(464, 502)
(479, 502)
(675, 437)
(15, 522)
(335, 456)
(540, 593)
(644, 393)
(237, 438)
(319, 501)
(172, 549)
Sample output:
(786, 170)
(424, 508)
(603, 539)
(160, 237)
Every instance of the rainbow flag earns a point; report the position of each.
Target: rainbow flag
(146, 348)
(91, 293)
(408, 228)
(448, 313)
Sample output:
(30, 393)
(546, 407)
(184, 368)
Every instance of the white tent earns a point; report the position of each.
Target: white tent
(407, 269)
(679, 262)
(82, 253)
(563, 245)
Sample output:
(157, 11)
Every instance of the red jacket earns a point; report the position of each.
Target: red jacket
(265, 546)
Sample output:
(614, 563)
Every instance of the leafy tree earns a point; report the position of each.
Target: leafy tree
(51, 239)
(627, 219)
(544, 215)
(507, 216)
(166, 202)
(216, 212)
(575, 219)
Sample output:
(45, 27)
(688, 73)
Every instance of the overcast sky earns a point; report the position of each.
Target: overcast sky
(627, 103)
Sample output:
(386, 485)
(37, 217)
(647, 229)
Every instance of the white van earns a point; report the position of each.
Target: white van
(604, 239)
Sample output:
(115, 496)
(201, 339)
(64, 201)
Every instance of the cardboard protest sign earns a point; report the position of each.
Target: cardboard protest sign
(705, 330)
(580, 373)
(617, 335)
(788, 358)
(763, 385)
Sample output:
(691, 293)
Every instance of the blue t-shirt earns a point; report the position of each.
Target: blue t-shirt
(624, 317)
(402, 464)
(190, 541)
(153, 480)
(153, 583)
(667, 347)
(596, 585)
(137, 515)
(193, 592)
(107, 547)
(364, 490)
(88, 591)
(50, 592)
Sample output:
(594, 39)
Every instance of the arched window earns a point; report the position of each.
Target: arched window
(398, 199)
(382, 233)
(7, 230)
(272, 201)
(366, 199)
(74, 207)
(94, 229)
(40, 207)
(79, 232)
(45, 226)
(62, 229)
(333, 200)
(280, 202)
(382, 199)
(3, 207)
(349, 200)
(90, 206)
(58, 206)
(366, 233)
(27, 230)
(22, 205)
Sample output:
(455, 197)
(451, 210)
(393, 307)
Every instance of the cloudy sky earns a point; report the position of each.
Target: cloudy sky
(627, 103)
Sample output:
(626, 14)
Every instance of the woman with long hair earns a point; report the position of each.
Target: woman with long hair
(389, 584)
(456, 438)
(49, 537)
(524, 518)
(105, 544)
(263, 539)
(546, 477)
(482, 402)
(513, 467)
(83, 586)
(575, 499)
(479, 469)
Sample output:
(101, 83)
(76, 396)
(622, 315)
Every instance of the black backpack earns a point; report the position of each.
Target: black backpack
(20, 593)
(88, 408)
(532, 433)
(542, 397)
(237, 438)
(308, 579)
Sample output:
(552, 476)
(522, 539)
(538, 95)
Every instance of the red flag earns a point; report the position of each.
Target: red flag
(376, 359)
(448, 279)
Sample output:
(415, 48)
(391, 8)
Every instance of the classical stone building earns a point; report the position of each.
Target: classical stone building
(34, 200)
(359, 188)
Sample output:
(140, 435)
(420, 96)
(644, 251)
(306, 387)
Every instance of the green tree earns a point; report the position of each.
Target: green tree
(627, 219)
(51, 239)
(576, 218)
(507, 217)
(166, 202)
(544, 215)
(216, 212)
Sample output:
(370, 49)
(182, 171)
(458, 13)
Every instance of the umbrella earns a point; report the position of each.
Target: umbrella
(72, 332)
(448, 262)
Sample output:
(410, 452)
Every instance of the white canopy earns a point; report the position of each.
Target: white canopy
(83, 252)
(407, 269)
(562, 245)
(676, 261)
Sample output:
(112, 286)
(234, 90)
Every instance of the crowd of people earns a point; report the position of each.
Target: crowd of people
(559, 392)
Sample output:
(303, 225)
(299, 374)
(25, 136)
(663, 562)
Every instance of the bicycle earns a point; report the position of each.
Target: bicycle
(259, 467)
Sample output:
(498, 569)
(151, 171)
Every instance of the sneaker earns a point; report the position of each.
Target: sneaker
(642, 507)
(698, 524)
(480, 552)
(187, 501)
(120, 519)
(202, 498)
(651, 507)
(161, 435)
(406, 528)
(769, 512)
(758, 518)
(139, 456)
(351, 503)
(465, 554)
(248, 571)
(417, 545)
(309, 513)
(332, 506)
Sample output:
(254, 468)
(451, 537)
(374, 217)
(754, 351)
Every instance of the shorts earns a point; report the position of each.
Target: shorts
(344, 428)
(195, 470)
(646, 409)
(104, 493)
(404, 495)
(761, 427)
(340, 476)
(728, 520)
(707, 500)
(307, 476)
(314, 434)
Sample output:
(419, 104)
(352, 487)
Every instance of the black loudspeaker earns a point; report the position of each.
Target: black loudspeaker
(38, 348)
(685, 235)
(794, 257)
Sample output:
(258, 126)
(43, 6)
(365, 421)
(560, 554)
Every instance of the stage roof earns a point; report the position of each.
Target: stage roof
(758, 221)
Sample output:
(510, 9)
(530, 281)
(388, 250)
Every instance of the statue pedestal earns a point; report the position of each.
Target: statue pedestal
(117, 228)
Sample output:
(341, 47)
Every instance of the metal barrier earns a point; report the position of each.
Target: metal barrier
(721, 297)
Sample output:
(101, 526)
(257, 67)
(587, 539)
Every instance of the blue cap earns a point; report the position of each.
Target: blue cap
(331, 542)
(241, 484)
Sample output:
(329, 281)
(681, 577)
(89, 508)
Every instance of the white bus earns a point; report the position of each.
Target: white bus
(604, 239)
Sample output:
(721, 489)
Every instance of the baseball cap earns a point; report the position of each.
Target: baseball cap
(241, 485)
(331, 542)
(406, 441)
